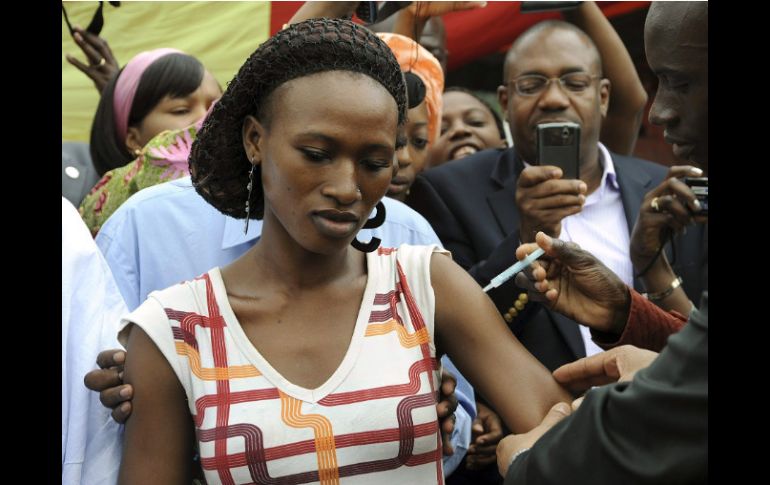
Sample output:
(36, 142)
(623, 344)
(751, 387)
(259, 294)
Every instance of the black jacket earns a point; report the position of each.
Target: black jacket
(653, 429)
(471, 205)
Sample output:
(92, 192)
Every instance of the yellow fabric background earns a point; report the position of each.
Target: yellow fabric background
(220, 34)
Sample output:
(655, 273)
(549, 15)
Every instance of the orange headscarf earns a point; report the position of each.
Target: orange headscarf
(411, 56)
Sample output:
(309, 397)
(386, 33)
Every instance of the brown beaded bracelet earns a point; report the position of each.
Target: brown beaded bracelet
(518, 306)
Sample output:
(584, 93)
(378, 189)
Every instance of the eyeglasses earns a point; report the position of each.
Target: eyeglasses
(534, 84)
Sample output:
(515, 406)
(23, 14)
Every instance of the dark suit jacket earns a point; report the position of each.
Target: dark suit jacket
(653, 429)
(690, 259)
(471, 205)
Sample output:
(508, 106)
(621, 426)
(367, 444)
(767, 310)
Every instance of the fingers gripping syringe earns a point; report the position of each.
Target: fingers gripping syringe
(511, 272)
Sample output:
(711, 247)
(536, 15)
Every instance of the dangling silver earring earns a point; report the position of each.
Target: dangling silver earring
(249, 186)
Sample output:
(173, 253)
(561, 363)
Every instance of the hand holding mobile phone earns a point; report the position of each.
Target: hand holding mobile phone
(558, 144)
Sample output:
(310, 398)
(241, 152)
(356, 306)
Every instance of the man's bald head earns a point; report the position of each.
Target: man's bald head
(673, 18)
(540, 33)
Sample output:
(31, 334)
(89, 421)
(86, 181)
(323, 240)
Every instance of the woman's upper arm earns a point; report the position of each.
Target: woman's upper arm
(159, 439)
(469, 328)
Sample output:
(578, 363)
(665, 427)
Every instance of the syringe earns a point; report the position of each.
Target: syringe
(511, 272)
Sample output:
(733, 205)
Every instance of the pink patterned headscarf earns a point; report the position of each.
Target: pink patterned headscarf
(411, 56)
(125, 88)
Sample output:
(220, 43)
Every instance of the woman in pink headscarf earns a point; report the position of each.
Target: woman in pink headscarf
(157, 90)
(144, 127)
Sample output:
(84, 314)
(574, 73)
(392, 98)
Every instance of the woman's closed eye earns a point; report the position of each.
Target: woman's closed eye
(180, 110)
(314, 154)
(374, 165)
(478, 123)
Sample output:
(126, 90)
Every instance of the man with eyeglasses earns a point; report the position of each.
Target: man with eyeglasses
(484, 206)
(658, 419)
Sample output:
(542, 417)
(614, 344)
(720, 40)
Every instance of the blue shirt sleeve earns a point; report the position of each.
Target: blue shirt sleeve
(111, 242)
(465, 413)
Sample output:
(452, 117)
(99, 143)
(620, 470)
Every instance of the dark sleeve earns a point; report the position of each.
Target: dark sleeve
(690, 260)
(651, 430)
(648, 326)
(425, 199)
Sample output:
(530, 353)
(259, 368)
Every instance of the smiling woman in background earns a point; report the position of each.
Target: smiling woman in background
(468, 125)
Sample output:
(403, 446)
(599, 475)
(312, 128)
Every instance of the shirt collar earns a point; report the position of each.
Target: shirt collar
(609, 176)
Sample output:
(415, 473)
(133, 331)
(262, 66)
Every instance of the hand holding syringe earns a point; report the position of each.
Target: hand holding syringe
(511, 272)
